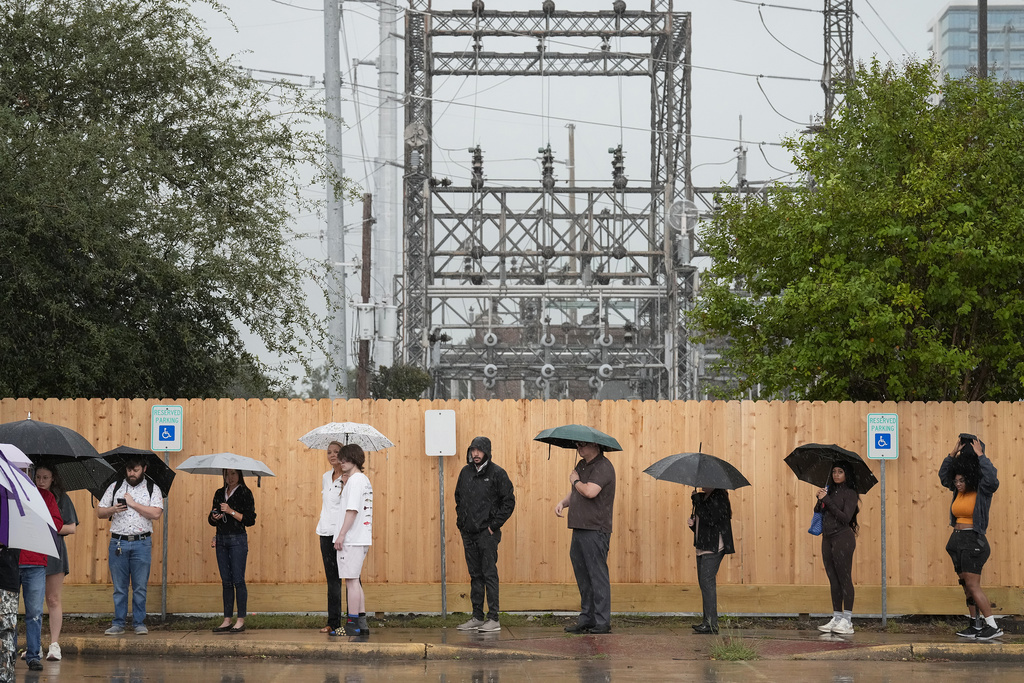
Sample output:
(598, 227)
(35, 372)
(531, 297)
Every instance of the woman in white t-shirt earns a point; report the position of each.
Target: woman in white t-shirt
(353, 538)
(326, 529)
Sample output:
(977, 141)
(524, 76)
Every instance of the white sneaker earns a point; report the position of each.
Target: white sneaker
(843, 628)
(53, 654)
(830, 626)
(473, 624)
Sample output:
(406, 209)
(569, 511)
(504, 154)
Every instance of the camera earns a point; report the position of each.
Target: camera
(967, 438)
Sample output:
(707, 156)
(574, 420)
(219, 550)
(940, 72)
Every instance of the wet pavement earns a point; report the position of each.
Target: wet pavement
(255, 670)
(629, 644)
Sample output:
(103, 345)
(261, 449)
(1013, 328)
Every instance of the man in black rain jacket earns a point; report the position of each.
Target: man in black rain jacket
(484, 500)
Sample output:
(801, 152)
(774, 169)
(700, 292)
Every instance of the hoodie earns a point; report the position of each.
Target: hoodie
(484, 499)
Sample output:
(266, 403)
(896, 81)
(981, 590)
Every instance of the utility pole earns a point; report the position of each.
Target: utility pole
(389, 229)
(363, 377)
(338, 346)
(983, 39)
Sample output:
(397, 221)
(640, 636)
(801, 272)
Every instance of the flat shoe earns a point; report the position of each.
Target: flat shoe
(326, 629)
(578, 628)
(222, 629)
(240, 629)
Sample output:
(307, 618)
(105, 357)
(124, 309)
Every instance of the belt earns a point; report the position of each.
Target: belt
(136, 537)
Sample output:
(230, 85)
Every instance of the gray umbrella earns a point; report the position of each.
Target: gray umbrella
(698, 469)
(217, 462)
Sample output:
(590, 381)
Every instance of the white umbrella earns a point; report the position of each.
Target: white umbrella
(15, 455)
(25, 520)
(217, 462)
(363, 435)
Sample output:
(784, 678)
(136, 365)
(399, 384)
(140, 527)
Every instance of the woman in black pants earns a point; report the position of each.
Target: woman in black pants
(234, 509)
(972, 478)
(838, 507)
(711, 522)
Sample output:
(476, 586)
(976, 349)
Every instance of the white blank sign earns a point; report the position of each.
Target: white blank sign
(439, 432)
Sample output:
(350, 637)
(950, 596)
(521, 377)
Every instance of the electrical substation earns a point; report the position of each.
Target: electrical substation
(551, 289)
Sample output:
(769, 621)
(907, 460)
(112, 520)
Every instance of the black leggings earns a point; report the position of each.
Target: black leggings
(837, 554)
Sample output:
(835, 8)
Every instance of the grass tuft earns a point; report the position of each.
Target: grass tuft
(732, 650)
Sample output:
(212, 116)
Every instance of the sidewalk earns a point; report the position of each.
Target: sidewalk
(640, 642)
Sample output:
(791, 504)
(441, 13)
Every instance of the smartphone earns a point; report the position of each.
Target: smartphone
(121, 501)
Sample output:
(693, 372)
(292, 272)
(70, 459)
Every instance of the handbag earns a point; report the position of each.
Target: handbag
(815, 529)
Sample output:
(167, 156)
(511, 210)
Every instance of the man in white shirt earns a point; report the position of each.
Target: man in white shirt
(354, 535)
(131, 503)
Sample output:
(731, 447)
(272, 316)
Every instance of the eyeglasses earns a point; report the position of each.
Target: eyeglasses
(581, 444)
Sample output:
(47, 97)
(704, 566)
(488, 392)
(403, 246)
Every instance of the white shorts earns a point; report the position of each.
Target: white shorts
(350, 560)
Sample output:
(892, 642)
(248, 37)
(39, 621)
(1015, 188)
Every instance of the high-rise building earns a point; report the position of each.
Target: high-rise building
(955, 40)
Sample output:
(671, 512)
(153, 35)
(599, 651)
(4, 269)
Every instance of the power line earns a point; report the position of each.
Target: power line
(766, 99)
(798, 54)
(773, 6)
(905, 50)
(288, 4)
(871, 33)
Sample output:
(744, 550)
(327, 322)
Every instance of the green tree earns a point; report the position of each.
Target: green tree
(896, 274)
(399, 382)
(146, 193)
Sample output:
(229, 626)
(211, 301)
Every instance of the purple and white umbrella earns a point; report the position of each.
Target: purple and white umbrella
(25, 520)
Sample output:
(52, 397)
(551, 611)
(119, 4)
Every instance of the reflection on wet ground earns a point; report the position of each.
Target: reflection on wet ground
(642, 670)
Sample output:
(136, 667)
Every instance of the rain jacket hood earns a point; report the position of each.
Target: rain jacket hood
(482, 443)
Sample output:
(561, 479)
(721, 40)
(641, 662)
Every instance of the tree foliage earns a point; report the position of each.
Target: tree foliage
(399, 382)
(895, 274)
(146, 193)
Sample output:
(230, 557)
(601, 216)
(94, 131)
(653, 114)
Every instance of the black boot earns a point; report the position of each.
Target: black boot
(364, 628)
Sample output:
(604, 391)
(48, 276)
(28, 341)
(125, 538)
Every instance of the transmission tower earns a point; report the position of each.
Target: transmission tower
(548, 290)
(838, 64)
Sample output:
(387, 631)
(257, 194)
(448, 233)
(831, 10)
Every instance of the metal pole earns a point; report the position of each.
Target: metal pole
(982, 38)
(163, 570)
(335, 201)
(444, 590)
(885, 582)
(388, 230)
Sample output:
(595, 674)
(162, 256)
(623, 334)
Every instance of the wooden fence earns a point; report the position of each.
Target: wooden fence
(776, 569)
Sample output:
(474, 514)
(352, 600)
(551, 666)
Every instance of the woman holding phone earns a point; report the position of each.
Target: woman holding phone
(234, 509)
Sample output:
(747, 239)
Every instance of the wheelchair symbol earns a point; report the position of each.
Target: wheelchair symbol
(882, 442)
(166, 433)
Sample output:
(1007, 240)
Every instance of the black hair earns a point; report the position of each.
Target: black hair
(241, 478)
(133, 461)
(967, 466)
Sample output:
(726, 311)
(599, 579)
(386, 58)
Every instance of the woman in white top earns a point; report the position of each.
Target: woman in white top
(326, 528)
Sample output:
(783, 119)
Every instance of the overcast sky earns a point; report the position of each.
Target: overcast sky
(774, 49)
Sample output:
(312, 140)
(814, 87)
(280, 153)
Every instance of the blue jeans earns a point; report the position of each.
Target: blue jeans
(132, 564)
(33, 587)
(232, 551)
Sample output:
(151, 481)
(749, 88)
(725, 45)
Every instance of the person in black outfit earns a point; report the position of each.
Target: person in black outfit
(233, 509)
(838, 507)
(711, 521)
(973, 479)
(484, 500)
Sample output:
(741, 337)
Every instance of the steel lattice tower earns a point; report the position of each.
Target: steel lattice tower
(838, 63)
(547, 290)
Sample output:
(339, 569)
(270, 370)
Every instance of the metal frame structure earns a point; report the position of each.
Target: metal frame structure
(550, 291)
(838, 64)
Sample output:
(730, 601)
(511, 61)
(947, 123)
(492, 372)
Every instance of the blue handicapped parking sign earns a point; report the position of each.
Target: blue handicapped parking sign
(883, 441)
(165, 433)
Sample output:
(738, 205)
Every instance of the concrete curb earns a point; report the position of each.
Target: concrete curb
(342, 650)
(965, 652)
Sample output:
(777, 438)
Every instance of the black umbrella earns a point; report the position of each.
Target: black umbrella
(698, 469)
(36, 437)
(813, 463)
(83, 473)
(156, 468)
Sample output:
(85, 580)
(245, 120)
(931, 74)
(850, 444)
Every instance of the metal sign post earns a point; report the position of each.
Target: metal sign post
(439, 440)
(166, 434)
(883, 444)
